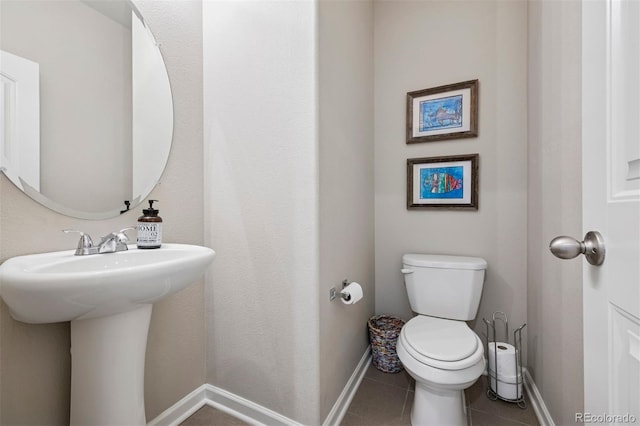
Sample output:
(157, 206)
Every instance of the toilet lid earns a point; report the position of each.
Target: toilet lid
(440, 339)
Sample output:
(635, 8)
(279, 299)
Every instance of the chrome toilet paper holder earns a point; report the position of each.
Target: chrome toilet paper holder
(493, 394)
(333, 293)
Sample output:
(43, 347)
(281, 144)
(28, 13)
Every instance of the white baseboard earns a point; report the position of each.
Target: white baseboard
(341, 406)
(182, 409)
(230, 403)
(537, 403)
(256, 414)
(245, 410)
(251, 412)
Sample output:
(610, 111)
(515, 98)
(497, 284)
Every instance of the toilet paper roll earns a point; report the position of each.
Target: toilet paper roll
(506, 354)
(354, 293)
(505, 390)
(507, 385)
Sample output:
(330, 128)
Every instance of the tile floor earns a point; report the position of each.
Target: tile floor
(386, 399)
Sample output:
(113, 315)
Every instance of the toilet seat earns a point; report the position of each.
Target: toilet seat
(441, 343)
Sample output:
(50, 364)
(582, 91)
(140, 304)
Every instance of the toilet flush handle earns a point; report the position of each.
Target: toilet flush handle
(406, 271)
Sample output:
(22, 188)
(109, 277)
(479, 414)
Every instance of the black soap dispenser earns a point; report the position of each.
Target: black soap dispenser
(150, 228)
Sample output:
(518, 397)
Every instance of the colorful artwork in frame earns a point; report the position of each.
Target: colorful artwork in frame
(444, 112)
(449, 182)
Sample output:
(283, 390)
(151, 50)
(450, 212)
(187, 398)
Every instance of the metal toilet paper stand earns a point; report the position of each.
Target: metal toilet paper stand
(517, 343)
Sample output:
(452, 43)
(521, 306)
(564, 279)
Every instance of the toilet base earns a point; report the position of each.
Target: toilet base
(440, 407)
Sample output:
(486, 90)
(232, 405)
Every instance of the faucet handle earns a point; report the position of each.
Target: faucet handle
(122, 236)
(85, 241)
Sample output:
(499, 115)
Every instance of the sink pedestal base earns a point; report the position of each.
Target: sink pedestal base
(107, 368)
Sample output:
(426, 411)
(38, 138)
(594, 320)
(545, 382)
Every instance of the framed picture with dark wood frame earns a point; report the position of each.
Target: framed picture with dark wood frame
(444, 112)
(449, 182)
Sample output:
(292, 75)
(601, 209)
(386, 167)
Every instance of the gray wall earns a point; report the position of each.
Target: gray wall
(554, 292)
(289, 198)
(345, 60)
(261, 196)
(426, 44)
(34, 359)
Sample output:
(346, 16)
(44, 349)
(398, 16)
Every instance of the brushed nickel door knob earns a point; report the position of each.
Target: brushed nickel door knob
(592, 247)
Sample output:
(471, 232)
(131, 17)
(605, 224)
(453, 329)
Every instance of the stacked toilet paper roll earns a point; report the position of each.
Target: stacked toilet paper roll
(509, 382)
(353, 292)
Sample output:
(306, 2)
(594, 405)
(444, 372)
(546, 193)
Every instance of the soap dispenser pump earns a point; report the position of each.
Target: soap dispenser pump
(150, 228)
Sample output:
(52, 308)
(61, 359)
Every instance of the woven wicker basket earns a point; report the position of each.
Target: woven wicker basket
(383, 336)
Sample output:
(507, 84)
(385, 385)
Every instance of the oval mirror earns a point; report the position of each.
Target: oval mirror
(86, 113)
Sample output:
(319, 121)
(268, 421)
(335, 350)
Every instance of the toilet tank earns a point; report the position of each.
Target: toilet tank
(444, 286)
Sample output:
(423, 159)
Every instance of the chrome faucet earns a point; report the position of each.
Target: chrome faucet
(110, 243)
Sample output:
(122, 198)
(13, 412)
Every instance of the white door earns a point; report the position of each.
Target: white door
(20, 120)
(611, 205)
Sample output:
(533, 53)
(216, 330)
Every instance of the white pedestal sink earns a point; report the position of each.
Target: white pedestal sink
(108, 299)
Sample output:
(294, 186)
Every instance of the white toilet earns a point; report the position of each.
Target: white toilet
(437, 347)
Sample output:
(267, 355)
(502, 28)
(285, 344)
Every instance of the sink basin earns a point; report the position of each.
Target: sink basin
(58, 286)
(108, 298)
